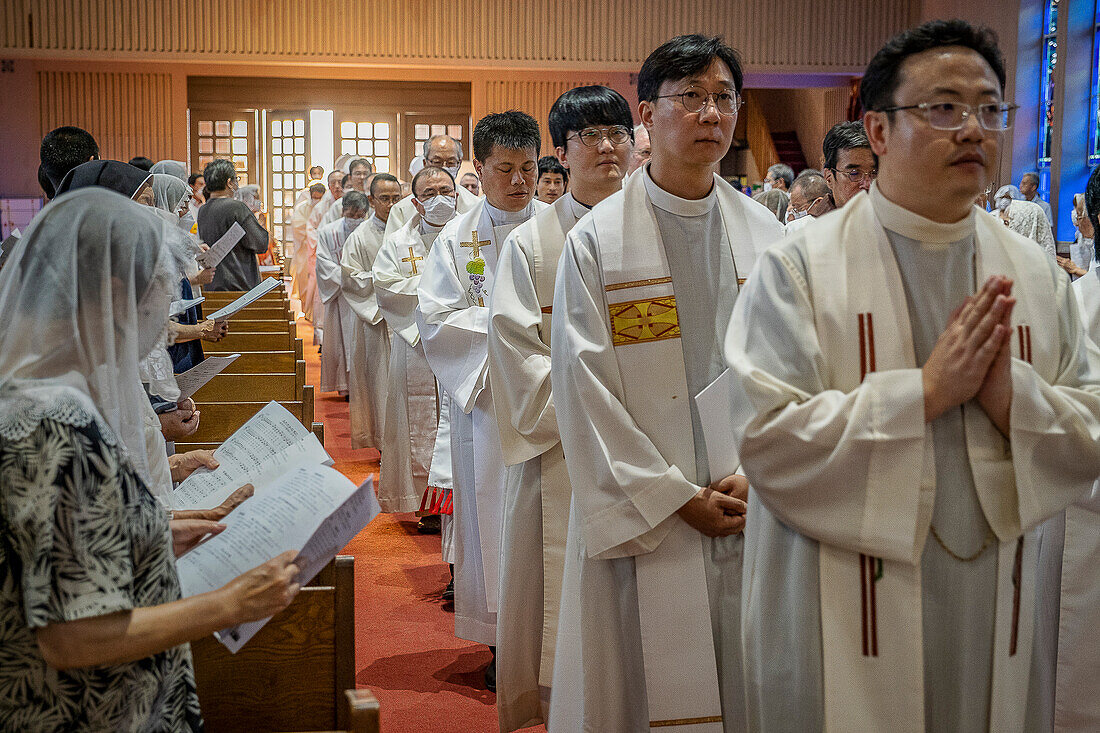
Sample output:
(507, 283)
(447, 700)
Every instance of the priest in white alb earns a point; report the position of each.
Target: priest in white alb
(1067, 602)
(914, 396)
(340, 320)
(307, 289)
(454, 298)
(649, 631)
(298, 220)
(412, 412)
(440, 151)
(591, 128)
(370, 351)
(360, 173)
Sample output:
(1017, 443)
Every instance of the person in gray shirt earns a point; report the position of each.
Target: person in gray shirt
(239, 270)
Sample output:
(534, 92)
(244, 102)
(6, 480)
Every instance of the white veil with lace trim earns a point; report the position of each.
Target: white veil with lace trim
(85, 297)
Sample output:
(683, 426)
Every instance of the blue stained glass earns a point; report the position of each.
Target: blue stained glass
(1051, 24)
(1094, 107)
(1046, 120)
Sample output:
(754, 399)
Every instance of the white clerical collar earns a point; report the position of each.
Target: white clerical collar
(426, 228)
(377, 223)
(673, 204)
(916, 227)
(500, 217)
(576, 208)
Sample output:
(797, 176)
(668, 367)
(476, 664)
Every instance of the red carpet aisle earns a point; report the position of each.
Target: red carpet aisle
(406, 651)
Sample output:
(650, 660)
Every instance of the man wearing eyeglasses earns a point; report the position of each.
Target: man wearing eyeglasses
(440, 151)
(649, 633)
(591, 130)
(360, 174)
(850, 164)
(917, 396)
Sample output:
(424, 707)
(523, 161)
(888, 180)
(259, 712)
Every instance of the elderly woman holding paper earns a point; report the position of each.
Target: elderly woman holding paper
(94, 630)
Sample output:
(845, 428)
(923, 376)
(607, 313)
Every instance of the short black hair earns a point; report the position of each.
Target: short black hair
(344, 180)
(63, 149)
(1092, 207)
(315, 167)
(382, 178)
(880, 80)
(217, 174)
(843, 136)
(45, 183)
(430, 170)
(360, 162)
(550, 164)
(581, 107)
(354, 201)
(140, 161)
(194, 177)
(682, 57)
(512, 130)
(318, 188)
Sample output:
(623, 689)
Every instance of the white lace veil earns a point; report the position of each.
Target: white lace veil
(85, 296)
(170, 193)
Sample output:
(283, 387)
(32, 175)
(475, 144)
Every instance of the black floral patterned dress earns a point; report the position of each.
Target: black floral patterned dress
(80, 537)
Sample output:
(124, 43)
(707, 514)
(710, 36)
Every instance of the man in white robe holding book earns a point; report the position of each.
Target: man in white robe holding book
(649, 631)
(454, 298)
(370, 353)
(340, 320)
(591, 128)
(412, 412)
(916, 395)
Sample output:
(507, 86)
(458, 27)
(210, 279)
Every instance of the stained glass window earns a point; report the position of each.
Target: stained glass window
(1050, 62)
(1094, 106)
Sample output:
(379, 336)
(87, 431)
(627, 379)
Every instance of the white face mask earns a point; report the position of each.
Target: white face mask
(439, 209)
(453, 171)
(767, 185)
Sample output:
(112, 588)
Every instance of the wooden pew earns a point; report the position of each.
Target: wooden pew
(248, 324)
(292, 676)
(364, 715)
(219, 420)
(246, 341)
(256, 362)
(253, 387)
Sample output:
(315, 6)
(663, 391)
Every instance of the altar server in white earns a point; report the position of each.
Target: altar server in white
(1067, 599)
(412, 412)
(298, 220)
(360, 174)
(370, 351)
(649, 632)
(454, 298)
(440, 151)
(592, 131)
(307, 290)
(340, 320)
(916, 396)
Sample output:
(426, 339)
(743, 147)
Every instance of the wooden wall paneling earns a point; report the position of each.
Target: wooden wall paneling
(616, 34)
(128, 113)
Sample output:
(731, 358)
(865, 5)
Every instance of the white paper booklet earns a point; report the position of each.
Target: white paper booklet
(245, 300)
(192, 380)
(302, 510)
(715, 406)
(264, 447)
(181, 306)
(218, 250)
(270, 269)
(331, 536)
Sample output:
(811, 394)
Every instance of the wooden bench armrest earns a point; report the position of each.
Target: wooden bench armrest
(363, 711)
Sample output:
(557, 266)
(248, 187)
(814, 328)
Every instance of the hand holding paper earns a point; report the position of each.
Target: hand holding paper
(225, 243)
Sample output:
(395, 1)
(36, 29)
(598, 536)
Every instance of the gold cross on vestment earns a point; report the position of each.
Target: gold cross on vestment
(412, 259)
(475, 244)
(639, 321)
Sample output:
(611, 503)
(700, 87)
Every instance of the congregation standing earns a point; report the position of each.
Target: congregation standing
(896, 530)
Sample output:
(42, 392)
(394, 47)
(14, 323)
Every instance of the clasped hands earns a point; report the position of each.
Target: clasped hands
(718, 510)
(972, 357)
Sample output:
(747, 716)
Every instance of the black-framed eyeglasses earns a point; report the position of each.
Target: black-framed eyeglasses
(591, 137)
(993, 116)
(695, 99)
(856, 175)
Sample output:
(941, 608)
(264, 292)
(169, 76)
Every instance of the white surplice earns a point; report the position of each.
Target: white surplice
(454, 297)
(405, 209)
(1068, 592)
(307, 291)
(411, 411)
(300, 257)
(340, 320)
(537, 492)
(370, 350)
(854, 618)
(649, 630)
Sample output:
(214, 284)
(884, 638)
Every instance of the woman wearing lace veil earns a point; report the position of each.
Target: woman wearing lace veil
(94, 631)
